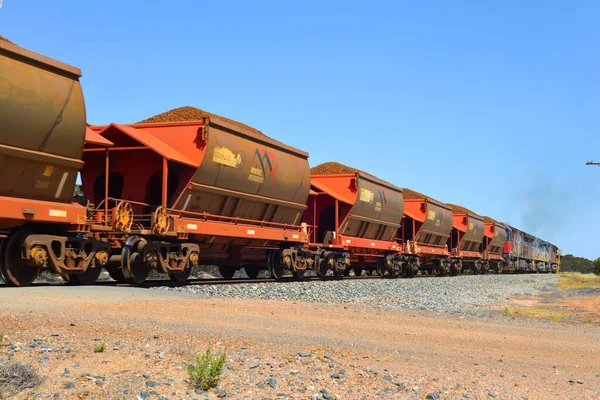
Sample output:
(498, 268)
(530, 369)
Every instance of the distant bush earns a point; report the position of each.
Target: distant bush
(205, 373)
(16, 377)
(570, 263)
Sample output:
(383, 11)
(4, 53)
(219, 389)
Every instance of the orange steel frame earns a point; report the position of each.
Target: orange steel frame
(187, 222)
(22, 211)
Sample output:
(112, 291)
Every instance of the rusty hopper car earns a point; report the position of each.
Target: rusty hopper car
(493, 243)
(356, 217)
(466, 241)
(426, 228)
(42, 135)
(201, 191)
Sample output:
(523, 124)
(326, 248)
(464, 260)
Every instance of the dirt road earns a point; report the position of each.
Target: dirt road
(355, 351)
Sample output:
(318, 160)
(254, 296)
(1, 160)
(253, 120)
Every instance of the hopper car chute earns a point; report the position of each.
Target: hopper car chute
(201, 191)
(355, 219)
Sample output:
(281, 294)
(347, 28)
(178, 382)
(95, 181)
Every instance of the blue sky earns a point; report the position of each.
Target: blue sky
(490, 105)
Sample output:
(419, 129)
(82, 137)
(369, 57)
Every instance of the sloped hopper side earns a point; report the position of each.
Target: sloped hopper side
(472, 228)
(368, 208)
(246, 175)
(377, 211)
(432, 221)
(498, 236)
(42, 125)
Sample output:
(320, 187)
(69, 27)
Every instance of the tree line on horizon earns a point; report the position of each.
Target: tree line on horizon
(570, 263)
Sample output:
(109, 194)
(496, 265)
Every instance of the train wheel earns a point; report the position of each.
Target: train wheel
(89, 277)
(226, 272)
(276, 268)
(358, 271)
(252, 272)
(181, 276)
(321, 267)
(369, 272)
(14, 269)
(135, 269)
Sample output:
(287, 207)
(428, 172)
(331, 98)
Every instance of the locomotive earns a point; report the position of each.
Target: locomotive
(172, 195)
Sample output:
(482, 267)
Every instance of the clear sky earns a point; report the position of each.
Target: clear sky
(493, 105)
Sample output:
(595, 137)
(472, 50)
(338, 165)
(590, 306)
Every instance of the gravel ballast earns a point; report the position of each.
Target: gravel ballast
(461, 294)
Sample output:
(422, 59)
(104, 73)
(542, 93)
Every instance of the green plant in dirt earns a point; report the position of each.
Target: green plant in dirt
(529, 281)
(100, 348)
(506, 312)
(207, 369)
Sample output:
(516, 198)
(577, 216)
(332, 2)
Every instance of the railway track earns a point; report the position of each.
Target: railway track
(219, 281)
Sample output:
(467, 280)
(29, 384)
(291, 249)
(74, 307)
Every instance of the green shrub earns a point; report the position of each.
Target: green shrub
(208, 368)
(100, 348)
(506, 312)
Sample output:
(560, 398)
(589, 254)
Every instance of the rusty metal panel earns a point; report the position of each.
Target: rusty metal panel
(437, 225)
(377, 212)
(499, 236)
(42, 125)
(474, 233)
(248, 176)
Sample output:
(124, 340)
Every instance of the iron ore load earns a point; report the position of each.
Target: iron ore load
(188, 187)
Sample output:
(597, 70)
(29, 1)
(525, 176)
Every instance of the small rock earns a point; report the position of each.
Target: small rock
(252, 366)
(335, 376)
(388, 377)
(161, 355)
(271, 382)
(433, 396)
(69, 385)
(220, 392)
(144, 394)
(305, 354)
(199, 391)
(580, 381)
(152, 383)
(492, 395)
(524, 375)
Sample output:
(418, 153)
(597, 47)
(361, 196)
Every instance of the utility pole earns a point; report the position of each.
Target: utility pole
(592, 163)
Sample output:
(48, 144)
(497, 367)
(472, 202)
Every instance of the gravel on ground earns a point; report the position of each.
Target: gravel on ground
(460, 294)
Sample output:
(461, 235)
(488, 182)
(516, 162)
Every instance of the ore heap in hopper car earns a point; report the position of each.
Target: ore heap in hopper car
(355, 217)
(42, 135)
(426, 228)
(493, 244)
(466, 241)
(206, 189)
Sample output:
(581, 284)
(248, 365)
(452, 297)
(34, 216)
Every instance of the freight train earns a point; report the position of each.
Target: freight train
(189, 188)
